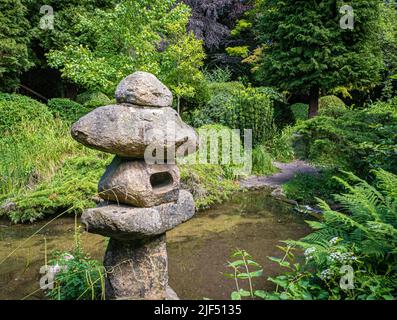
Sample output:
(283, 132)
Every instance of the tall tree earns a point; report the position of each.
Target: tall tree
(14, 41)
(134, 35)
(305, 49)
(388, 42)
(182, 62)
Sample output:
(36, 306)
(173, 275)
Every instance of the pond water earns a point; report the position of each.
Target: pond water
(198, 250)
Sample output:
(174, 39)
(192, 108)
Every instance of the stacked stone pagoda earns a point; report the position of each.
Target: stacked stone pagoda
(142, 199)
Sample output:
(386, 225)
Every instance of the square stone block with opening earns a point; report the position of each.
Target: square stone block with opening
(136, 183)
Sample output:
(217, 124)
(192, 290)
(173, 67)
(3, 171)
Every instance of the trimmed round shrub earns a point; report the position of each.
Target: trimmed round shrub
(330, 101)
(331, 106)
(15, 108)
(300, 111)
(66, 109)
(93, 99)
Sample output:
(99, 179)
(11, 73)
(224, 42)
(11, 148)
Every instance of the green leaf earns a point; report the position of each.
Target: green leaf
(235, 295)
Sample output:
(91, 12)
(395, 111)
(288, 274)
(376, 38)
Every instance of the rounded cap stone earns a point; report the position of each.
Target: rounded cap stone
(143, 89)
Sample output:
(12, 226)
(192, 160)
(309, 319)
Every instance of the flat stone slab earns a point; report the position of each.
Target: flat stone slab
(144, 89)
(128, 223)
(136, 183)
(129, 130)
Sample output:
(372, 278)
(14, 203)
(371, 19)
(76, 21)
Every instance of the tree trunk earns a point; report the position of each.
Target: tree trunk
(313, 101)
(178, 105)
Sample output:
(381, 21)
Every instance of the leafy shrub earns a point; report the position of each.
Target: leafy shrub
(253, 110)
(281, 145)
(238, 107)
(66, 109)
(330, 102)
(300, 111)
(363, 241)
(385, 107)
(93, 99)
(357, 141)
(15, 108)
(221, 103)
(231, 159)
(218, 75)
(77, 276)
(331, 106)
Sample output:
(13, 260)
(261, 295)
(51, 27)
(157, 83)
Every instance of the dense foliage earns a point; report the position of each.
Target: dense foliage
(148, 36)
(14, 41)
(357, 140)
(44, 172)
(66, 109)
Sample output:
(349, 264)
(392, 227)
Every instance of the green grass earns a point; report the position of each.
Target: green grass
(32, 153)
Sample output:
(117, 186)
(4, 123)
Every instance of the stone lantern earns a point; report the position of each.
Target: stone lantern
(142, 199)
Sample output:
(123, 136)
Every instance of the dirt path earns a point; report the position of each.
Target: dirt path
(287, 172)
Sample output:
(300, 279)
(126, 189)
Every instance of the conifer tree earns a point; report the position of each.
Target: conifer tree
(305, 49)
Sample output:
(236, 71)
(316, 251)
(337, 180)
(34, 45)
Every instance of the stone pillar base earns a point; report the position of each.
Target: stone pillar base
(137, 270)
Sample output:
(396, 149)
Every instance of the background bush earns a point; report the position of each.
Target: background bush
(357, 141)
(15, 109)
(93, 99)
(239, 107)
(66, 109)
(230, 167)
(300, 111)
(326, 102)
(262, 162)
(207, 183)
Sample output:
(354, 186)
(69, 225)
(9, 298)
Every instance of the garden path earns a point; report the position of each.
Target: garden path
(287, 172)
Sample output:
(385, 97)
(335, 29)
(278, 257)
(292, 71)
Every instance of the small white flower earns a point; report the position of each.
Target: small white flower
(67, 256)
(326, 274)
(343, 258)
(309, 251)
(334, 241)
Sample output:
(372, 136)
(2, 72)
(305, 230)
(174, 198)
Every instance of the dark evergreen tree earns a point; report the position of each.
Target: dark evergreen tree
(305, 50)
(14, 40)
